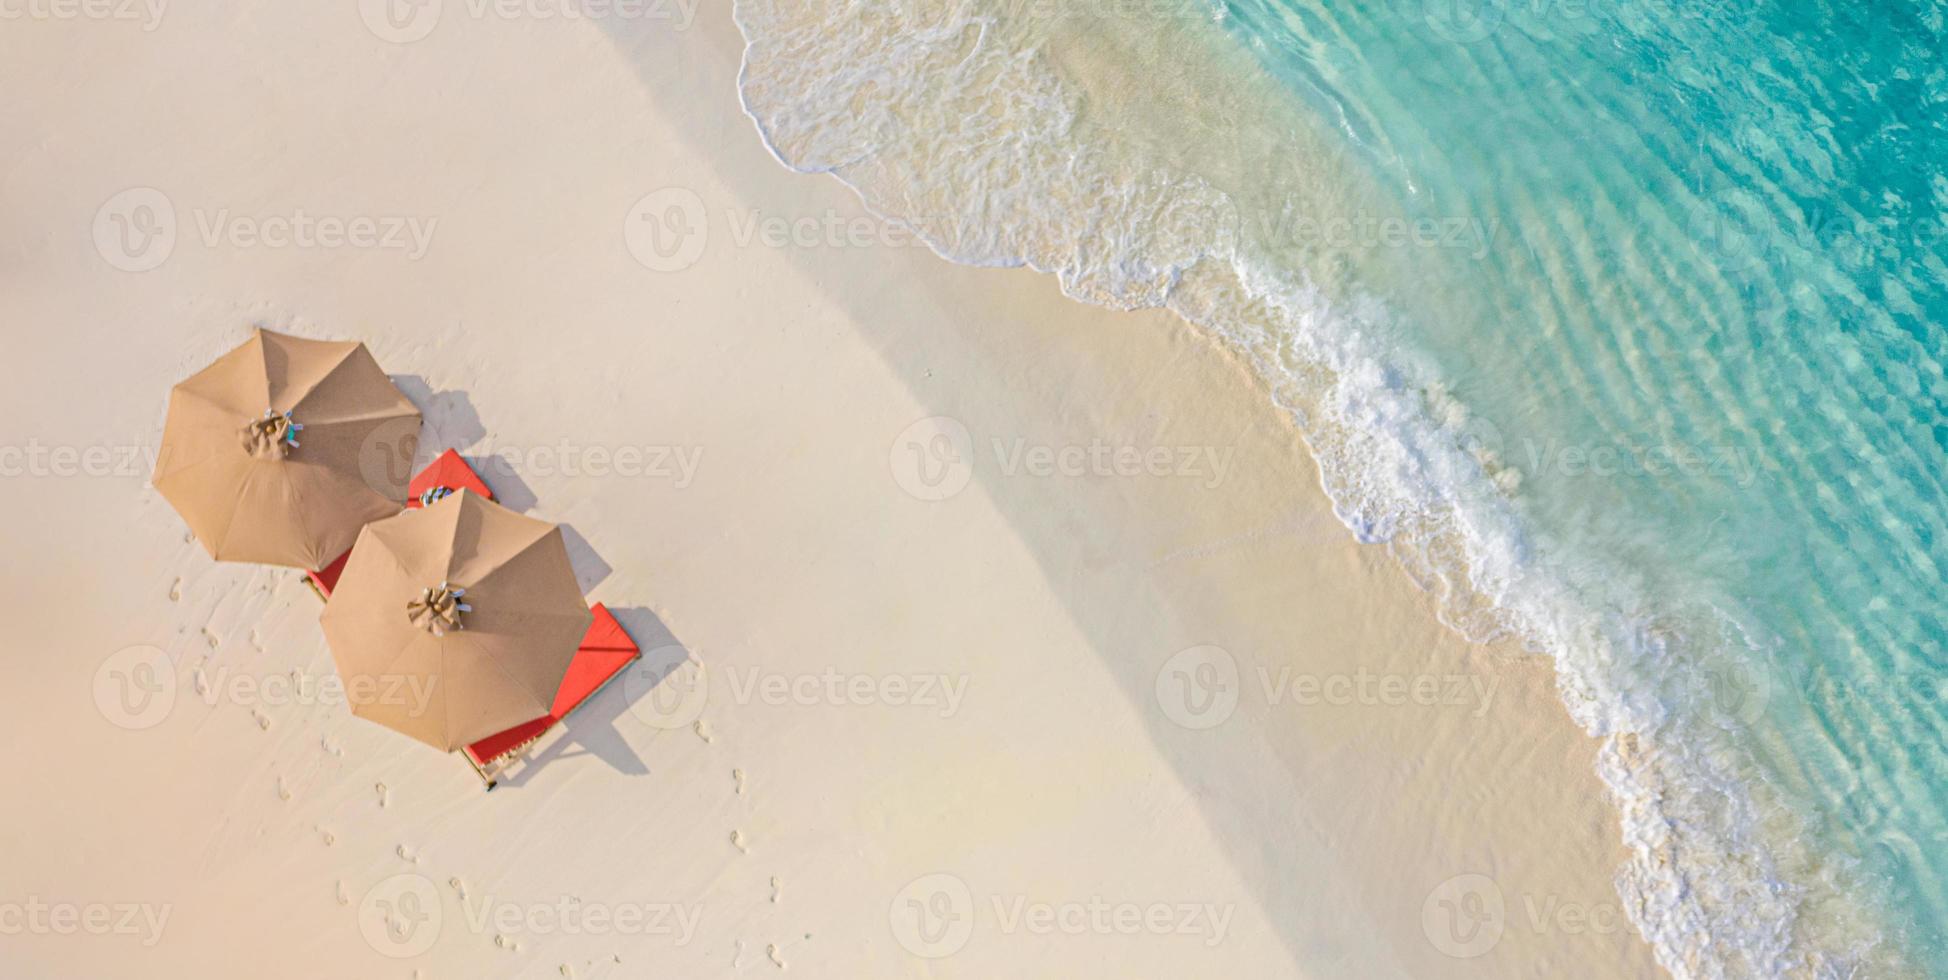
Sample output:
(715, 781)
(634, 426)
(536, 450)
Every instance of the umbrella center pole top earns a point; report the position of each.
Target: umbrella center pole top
(439, 610)
(273, 436)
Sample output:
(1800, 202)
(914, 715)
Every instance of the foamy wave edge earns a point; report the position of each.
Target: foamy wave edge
(1403, 464)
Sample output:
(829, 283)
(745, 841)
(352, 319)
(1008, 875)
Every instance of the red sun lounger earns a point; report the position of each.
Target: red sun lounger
(447, 474)
(605, 652)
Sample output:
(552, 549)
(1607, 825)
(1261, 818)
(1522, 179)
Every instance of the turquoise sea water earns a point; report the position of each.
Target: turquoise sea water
(1720, 274)
(1620, 322)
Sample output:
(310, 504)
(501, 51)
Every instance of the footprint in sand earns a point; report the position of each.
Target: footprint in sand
(344, 897)
(776, 956)
(263, 720)
(380, 788)
(777, 890)
(459, 887)
(257, 642)
(506, 943)
(283, 792)
(737, 841)
(330, 838)
(737, 776)
(176, 591)
(210, 638)
(702, 730)
(406, 855)
(330, 747)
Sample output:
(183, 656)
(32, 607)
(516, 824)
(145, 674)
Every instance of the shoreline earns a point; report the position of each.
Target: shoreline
(1065, 606)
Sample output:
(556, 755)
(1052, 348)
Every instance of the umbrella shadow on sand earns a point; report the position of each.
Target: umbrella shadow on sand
(449, 420)
(596, 727)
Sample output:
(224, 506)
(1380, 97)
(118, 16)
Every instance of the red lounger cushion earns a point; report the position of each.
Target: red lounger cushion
(606, 649)
(327, 578)
(449, 471)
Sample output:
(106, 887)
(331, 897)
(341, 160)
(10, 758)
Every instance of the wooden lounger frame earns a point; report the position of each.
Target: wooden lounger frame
(490, 770)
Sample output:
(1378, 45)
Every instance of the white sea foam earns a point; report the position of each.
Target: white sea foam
(1003, 145)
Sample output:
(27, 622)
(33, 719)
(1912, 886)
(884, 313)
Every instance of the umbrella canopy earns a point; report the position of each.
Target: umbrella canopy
(281, 450)
(467, 612)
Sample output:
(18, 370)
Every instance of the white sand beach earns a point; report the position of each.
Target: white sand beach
(1079, 679)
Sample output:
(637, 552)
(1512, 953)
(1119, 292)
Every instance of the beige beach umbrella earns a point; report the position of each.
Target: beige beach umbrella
(280, 451)
(466, 611)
